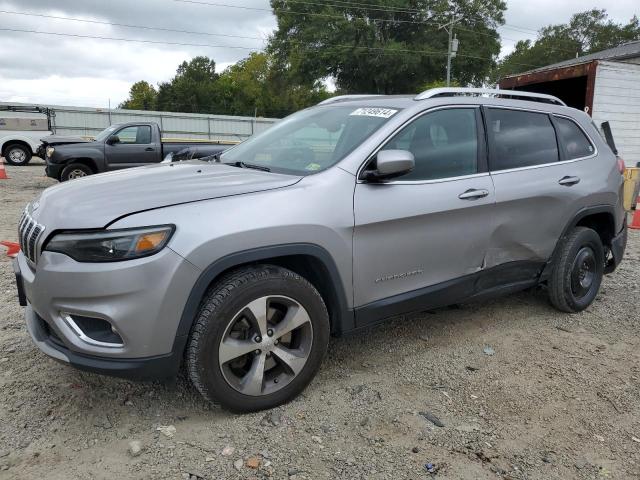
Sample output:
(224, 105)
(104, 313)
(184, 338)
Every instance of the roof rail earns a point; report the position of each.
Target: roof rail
(450, 92)
(345, 98)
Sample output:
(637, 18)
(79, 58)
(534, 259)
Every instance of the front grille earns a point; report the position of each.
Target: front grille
(29, 232)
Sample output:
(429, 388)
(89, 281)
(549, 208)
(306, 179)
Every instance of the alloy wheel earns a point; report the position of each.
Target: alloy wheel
(266, 345)
(77, 173)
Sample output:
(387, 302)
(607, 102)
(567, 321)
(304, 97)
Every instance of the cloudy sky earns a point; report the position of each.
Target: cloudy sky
(75, 70)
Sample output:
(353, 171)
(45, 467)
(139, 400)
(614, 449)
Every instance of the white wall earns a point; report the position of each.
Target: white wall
(616, 98)
(90, 121)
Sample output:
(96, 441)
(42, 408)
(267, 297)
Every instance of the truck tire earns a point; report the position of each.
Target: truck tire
(17, 154)
(577, 271)
(75, 170)
(258, 340)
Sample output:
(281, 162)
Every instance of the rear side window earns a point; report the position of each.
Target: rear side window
(576, 143)
(520, 139)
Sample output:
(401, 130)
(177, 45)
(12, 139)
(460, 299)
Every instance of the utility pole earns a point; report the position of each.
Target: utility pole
(453, 45)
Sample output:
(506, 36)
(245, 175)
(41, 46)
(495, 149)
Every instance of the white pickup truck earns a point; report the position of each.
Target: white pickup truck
(21, 131)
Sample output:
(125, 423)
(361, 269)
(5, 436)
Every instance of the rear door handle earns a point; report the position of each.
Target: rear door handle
(473, 194)
(569, 181)
(149, 149)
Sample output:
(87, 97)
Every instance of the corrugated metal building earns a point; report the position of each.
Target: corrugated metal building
(605, 84)
(89, 121)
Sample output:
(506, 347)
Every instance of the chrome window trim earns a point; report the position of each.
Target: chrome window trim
(83, 336)
(398, 129)
(435, 180)
(542, 165)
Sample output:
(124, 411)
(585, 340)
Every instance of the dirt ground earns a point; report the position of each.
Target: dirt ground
(555, 396)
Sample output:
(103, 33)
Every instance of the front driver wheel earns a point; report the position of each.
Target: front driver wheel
(577, 272)
(73, 171)
(259, 339)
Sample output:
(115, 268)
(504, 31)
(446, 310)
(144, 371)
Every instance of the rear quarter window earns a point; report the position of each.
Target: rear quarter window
(576, 143)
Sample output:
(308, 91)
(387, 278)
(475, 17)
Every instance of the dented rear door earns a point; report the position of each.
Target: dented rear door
(537, 188)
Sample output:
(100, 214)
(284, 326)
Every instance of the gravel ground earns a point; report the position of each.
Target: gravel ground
(519, 390)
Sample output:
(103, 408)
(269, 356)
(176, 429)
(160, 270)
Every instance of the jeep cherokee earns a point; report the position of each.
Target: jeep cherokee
(340, 216)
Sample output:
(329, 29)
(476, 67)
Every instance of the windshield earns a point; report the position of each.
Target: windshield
(105, 133)
(311, 140)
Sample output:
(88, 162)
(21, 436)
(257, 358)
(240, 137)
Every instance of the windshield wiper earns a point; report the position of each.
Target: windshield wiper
(241, 164)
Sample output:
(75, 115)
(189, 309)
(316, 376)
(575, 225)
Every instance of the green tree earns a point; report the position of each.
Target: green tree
(587, 32)
(258, 85)
(192, 90)
(142, 96)
(385, 46)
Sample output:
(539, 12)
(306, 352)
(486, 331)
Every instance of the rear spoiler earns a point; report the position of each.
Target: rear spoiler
(608, 136)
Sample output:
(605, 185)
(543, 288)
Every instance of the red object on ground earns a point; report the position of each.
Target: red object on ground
(12, 248)
(635, 222)
(3, 171)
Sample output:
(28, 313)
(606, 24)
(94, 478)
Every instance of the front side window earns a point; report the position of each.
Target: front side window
(139, 134)
(520, 139)
(576, 143)
(444, 144)
(312, 140)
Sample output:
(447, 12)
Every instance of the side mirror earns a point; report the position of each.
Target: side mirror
(390, 164)
(113, 139)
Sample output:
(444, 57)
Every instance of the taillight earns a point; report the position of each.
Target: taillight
(621, 166)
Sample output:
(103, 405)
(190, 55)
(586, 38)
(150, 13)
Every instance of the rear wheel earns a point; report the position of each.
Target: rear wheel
(259, 339)
(73, 171)
(17, 154)
(577, 272)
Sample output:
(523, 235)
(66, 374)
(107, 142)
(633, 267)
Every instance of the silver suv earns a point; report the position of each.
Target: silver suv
(241, 266)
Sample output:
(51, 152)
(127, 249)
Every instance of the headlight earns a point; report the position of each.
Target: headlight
(111, 245)
(50, 151)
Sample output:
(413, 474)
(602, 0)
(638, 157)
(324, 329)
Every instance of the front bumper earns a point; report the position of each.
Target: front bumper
(142, 300)
(152, 368)
(53, 170)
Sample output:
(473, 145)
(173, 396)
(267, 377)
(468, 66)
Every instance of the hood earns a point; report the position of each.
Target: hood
(97, 200)
(63, 140)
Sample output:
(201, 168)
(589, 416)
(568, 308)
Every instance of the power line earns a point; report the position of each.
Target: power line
(371, 50)
(144, 27)
(340, 17)
(163, 29)
(359, 5)
(135, 40)
(313, 14)
(389, 9)
(121, 39)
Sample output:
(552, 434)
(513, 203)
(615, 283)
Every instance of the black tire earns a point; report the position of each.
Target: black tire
(75, 170)
(16, 154)
(577, 272)
(222, 305)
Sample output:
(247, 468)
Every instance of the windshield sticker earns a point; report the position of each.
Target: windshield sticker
(313, 167)
(374, 112)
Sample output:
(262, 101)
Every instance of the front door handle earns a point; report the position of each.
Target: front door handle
(569, 181)
(473, 194)
(149, 149)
